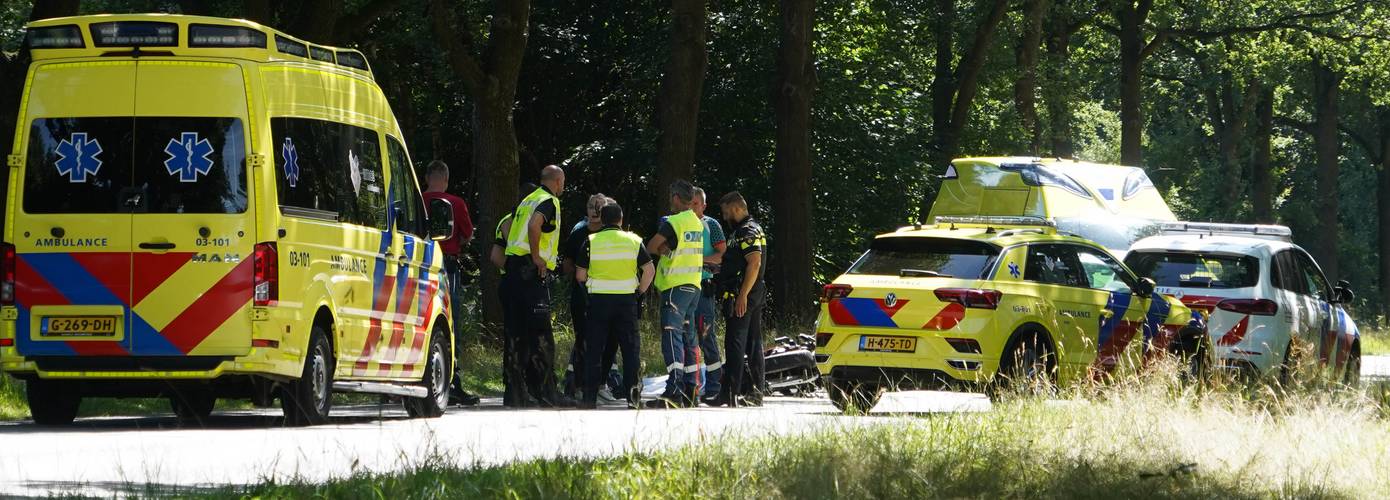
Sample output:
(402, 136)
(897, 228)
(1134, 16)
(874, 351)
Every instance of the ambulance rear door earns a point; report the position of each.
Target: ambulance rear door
(193, 229)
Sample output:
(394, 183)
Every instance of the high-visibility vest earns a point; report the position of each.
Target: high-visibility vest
(517, 243)
(686, 259)
(613, 262)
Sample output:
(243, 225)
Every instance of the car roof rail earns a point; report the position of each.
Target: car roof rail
(1261, 231)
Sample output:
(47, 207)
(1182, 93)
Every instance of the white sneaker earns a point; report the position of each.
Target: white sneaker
(606, 395)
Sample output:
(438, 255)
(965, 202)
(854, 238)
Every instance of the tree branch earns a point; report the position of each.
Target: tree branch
(456, 42)
(1374, 153)
(351, 26)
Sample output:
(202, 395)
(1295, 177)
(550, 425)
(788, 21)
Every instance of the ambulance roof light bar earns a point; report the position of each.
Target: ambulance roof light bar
(996, 220)
(1265, 231)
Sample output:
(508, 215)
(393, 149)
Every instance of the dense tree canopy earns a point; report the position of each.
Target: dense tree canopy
(1257, 110)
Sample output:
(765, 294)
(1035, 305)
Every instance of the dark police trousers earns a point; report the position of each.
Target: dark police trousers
(579, 309)
(743, 342)
(612, 317)
(529, 350)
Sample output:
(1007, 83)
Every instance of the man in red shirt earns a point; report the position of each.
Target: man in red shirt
(437, 178)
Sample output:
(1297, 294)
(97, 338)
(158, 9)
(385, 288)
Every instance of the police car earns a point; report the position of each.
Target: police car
(207, 208)
(1267, 300)
(973, 301)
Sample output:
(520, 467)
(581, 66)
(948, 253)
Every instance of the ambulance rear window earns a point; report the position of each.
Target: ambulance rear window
(1194, 270)
(926, 258)
(100, 165)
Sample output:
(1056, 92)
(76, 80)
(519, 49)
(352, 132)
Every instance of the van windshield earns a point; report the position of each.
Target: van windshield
(1193, 270)
(98, 165)
(919, 257)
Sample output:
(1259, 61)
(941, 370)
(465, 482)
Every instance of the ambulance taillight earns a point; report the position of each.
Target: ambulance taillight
(7, 286)
(267, 271)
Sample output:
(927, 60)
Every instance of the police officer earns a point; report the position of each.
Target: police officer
(498, 256)
(575, 241)
(616, 270)
(679, 241)
(710, 365)
(741, 279)
(532, 244)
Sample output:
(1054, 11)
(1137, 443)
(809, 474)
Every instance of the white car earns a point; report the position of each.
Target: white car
(1264, 295)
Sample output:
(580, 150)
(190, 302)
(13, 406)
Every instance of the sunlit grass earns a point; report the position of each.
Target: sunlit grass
(1375, 342)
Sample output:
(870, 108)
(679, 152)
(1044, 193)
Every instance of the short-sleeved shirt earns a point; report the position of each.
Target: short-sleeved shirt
(666, 230)
(748, 238)
(575, 240)
(643, 258)
(714, 240)
(463, 223)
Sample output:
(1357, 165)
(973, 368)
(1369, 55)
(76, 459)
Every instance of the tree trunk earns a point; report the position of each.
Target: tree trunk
(678, 101)
(1383, 208)
(1131, 18)
(793, 290)
(491, 83)
(258, 11)
(943, 92)
(1026, 87)
(964, 83)
(1261, 172)
(1056, 90)
(1326, 86)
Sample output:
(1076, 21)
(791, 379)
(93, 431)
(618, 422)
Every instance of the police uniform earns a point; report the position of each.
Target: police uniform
(743, 336)
(500, 239)
(705, 313)
(678, 279)
(574, 244)
(526, 302)
(612, 259)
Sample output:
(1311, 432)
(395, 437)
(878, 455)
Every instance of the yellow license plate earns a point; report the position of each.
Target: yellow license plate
(80, 326)
(887, 344)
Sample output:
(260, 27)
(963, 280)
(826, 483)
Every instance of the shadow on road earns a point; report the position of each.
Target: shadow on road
(232, 420)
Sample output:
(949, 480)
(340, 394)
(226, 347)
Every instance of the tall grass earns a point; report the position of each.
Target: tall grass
(1147, 437)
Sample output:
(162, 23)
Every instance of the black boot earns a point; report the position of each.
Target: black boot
(668, 399)
(721, 399)
(690, 397)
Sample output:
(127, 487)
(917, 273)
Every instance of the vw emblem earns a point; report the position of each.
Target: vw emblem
(891, 300)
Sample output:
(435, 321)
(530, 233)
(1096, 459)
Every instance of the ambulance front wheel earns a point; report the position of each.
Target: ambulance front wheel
(52, 402)
(307, 400)
(193, 405)
(437, 374)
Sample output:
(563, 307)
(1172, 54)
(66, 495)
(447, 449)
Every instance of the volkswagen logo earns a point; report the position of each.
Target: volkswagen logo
(891, 300)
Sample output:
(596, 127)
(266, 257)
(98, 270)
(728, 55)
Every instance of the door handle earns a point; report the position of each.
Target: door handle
(156, 245)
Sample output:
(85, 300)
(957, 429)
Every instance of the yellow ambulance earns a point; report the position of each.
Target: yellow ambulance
(204, 208)
(1113, 205)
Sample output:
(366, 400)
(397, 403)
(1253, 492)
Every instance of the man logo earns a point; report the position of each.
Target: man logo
(891, 300)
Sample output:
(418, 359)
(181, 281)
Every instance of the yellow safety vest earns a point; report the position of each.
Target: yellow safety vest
(497, 234)
(682, 266)
(517, 243)
(613, 262)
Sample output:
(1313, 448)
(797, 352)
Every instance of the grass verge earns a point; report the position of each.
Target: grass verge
(1375, 342)
(1150, 438)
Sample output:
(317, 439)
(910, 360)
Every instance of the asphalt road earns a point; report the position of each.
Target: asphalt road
(101, 456)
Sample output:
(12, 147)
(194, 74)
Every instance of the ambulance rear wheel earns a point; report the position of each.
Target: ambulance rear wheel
(193, 405)
(307, 400)
(52, 402)
(437, 372)
(854, 397)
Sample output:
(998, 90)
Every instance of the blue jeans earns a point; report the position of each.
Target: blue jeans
(711, 367)
(678, 339)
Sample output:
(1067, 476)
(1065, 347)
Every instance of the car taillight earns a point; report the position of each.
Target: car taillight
(7, 286)
(834, 291)
(267, 271)
(970, 297)
(1258, 307)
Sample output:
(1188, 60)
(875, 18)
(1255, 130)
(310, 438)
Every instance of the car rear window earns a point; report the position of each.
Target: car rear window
(926, 257)
(100, 165)
(1195, 270)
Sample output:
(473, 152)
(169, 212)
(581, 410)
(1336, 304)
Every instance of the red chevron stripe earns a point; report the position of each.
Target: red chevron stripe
(211, 309)
(380, 298)
(403, 308)
(152, 270)
(111, 269)
(421, 331)
(1108, 356)
(947, 318)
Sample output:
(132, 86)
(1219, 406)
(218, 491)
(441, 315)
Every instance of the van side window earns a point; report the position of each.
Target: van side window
(404, 191)
(331, 168)
(1054, 265)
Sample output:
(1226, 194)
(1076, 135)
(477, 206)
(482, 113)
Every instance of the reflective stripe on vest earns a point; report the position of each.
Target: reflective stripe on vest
(682, 266)
(517, 243)
(613, 262)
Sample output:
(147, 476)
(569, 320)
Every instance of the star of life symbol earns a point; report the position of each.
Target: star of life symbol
(78, 157)
(291, 157)
(188, 157)
(1013, 270)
